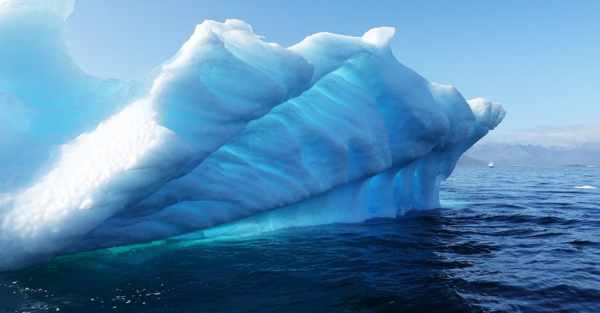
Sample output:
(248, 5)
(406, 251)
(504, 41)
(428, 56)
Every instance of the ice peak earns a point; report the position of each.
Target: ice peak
(380, 36)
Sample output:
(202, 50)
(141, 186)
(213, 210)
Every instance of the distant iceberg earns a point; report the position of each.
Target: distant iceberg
(333, 129)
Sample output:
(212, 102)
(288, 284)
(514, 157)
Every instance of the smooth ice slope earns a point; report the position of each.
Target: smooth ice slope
(333, 129)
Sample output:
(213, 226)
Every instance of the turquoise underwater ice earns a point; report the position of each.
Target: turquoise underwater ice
(333, 129)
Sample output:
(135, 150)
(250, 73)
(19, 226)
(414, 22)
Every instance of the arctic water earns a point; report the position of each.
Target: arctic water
(506, 240)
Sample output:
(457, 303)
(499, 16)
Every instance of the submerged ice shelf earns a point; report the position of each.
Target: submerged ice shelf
(333, 129)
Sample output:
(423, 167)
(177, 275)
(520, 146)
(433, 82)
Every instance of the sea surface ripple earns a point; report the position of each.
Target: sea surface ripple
(506, 240)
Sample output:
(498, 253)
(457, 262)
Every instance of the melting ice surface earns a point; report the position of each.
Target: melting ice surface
(231, 128)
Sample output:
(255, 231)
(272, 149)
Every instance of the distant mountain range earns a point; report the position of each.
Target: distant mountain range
(529, 155)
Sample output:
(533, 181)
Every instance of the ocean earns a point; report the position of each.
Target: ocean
(505, 240)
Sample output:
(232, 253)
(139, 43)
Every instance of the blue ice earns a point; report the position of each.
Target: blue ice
(333, 129)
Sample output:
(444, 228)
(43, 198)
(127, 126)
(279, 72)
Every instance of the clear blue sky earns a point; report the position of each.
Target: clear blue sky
(539, 58)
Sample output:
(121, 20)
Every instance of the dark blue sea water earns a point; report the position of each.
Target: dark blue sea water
(506, 240)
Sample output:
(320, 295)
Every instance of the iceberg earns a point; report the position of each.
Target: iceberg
(232, 134)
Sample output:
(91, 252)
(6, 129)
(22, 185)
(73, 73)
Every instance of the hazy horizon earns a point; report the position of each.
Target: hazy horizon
(548, 136)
